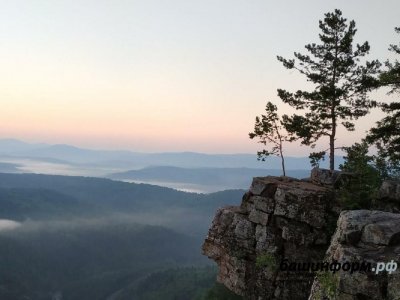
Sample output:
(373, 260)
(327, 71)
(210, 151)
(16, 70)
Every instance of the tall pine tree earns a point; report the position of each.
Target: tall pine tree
(341, 84)
(391, 76)
(386, 134)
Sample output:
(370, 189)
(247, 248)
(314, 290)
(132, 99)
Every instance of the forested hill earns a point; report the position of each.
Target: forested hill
(90, 196)
(92, 238)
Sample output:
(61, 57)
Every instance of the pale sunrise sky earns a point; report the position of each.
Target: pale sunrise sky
(157, 76)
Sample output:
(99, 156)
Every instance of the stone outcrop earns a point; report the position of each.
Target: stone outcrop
(330, 178)
(390, 189)
(279, 218)
(290, 221)
(363, 236)
(388, 197)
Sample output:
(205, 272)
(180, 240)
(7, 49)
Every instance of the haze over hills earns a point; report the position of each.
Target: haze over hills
(95, 238)
(135, 160)
(209, 172)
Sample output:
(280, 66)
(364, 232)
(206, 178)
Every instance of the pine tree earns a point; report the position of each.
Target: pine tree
(391, 76)
(268, 128)
(360, 190)
(386, 134)
(341, 84)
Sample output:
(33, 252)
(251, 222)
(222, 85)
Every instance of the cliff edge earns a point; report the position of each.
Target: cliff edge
(362, 237)
(287, 241)
(279, 218)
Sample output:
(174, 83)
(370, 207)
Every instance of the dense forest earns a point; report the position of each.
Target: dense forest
(90, 238)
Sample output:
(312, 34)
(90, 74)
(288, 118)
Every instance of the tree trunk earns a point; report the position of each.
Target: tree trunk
(332, 153)
(333, 109)
(281, 149)
(283, 165)
(332, 143)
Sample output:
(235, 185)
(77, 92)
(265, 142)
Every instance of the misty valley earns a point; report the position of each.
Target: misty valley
(66, 237)
(132, 229)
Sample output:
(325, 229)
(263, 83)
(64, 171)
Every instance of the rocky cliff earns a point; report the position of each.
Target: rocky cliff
(279, 218)
(286, 241)
(362, 236)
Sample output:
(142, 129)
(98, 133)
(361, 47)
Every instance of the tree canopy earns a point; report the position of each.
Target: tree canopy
(386, 134)
(391, 76)
(270, 132)
(341, 83)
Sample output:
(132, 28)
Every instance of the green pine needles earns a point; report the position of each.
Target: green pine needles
(270, 131)
(341, 84)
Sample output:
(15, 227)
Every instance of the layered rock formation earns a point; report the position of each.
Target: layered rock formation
(279, 218)
(369, 236)
(288, 222)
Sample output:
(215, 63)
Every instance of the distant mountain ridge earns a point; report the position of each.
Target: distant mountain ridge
(136, 160)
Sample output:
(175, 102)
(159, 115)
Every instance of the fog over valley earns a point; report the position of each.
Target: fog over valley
(100, 238)
(8, 225)
(186, 171)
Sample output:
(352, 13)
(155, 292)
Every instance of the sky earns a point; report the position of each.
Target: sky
(156, 76)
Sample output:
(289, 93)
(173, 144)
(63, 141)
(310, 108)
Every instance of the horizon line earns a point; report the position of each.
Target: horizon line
(46, 144)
